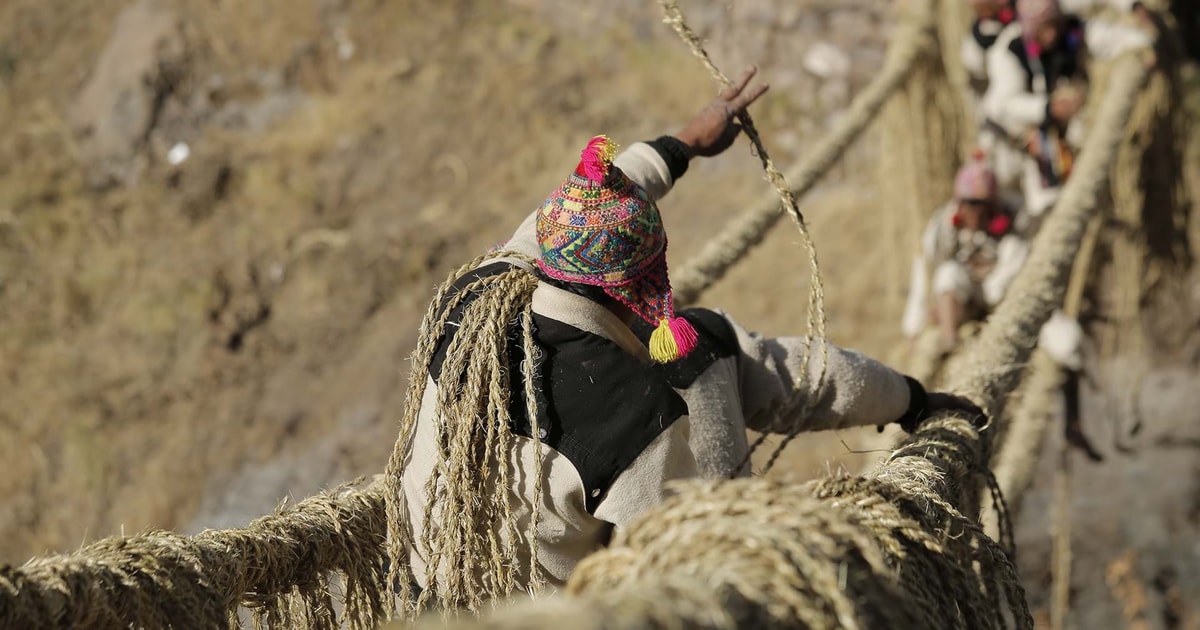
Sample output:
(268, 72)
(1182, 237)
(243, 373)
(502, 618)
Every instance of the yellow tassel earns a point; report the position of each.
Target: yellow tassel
(608, 152)
(663, 348)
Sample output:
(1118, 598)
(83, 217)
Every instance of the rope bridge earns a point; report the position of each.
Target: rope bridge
(896, 547)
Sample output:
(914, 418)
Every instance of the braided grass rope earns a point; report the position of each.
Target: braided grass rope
(816, 292)
(1037, 400)
(990, 366)
(1149, 245)
(471, 545)
(898, 547)
(279, 567)
(914, 34)
(923, 132)
(886, 550)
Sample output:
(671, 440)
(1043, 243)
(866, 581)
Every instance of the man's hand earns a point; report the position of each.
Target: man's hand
(938, 402)
(713, 130)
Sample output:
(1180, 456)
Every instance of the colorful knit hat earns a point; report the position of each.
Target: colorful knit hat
(1034, 13)
(601, 229)
(976, 179)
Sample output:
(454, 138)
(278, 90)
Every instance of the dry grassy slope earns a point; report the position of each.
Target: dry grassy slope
(210, 336)
(182, 350)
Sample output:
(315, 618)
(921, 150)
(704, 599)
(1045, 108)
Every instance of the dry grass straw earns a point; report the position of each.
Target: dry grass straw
(991, 365)
(885, 550)
(1149, 243)
(1060, 589)
(279, 567)
(914, 35)
(1037, 405)
(924, 130)
(816, 293)
(472, 548)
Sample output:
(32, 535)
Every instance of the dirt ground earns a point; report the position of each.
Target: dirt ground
(189, 335)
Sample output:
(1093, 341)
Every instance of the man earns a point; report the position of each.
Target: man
(973, 253)
(1037, 80)
(555, 389)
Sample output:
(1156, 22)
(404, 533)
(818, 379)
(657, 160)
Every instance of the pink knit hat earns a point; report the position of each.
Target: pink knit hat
(1034, 13)
(975, 180)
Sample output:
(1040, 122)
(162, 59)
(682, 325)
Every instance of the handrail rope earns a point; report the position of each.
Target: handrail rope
(722, 551)
(913, 37)
(816, 292)
(283, 554)
(992, 362)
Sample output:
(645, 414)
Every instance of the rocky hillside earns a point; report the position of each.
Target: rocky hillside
(220, 221)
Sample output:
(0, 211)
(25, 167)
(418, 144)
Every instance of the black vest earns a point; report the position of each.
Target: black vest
(598, 406)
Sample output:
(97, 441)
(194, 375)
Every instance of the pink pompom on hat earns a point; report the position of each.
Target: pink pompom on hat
(976, 179)
(601, 229)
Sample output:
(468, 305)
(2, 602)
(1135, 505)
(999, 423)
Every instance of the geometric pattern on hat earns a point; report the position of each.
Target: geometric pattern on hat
(601, 229)
(644, 296)
(600, 234)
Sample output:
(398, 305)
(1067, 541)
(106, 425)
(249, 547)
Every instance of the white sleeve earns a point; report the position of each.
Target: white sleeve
(1108, 40)
(777, 397)
(974, 58)
(1085, 8)
(1008, 102)
(1010, 256)
(640, 162)
(916, 309)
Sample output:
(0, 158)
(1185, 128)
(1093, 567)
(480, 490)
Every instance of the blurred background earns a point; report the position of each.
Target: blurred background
(220, 223)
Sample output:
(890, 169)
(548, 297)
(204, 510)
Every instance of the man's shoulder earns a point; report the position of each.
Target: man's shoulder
(598, 405)
(716, 340)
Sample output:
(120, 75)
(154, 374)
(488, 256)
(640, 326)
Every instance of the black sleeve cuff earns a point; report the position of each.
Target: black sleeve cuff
(917, 402)
(674, 152)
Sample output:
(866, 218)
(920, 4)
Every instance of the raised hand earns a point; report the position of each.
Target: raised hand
(714, 129)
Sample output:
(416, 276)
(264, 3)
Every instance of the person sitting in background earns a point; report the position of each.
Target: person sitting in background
(991, 16)
(1036, 86)
(972, 253)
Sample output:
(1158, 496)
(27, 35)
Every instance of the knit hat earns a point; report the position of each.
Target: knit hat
(1034, 13)
(601, 229)
(975, 180)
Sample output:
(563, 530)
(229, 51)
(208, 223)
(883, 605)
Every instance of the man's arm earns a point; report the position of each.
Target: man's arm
(1010, 257)
(856, 390)
(1007, 102)
(658, 164)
